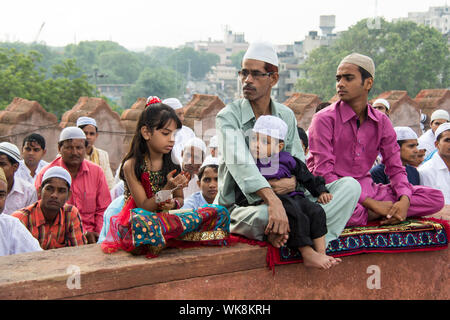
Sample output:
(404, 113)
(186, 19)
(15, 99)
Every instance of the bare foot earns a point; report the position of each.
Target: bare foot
(314, 259)
(277, 240)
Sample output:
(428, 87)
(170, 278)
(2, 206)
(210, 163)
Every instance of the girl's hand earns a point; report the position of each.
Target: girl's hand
(166, 205)
(324, 198)
(173, 182)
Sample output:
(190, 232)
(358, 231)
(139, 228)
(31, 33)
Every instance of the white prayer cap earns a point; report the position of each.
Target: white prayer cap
(405, 133)
(174, 103)
(271, 126)
(214, 142)
(384, 102)
(71, 133)
(443, 127)
(57, 172)
(262, 51)
(362, 61)
(197, 143)
(11, 150)
(210, 161)
(440, 114)
(84, 121)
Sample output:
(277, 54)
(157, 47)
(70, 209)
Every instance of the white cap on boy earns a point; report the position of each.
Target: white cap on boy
(84, 121)
(174, 103)
(384, 102)
(11, 150)
(440, 114)
(443, 127)
(271, 126)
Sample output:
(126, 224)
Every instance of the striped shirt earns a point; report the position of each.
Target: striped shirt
(66, 230)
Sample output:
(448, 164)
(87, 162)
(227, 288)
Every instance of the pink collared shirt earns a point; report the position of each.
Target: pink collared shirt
(90, 193)
(339, 148)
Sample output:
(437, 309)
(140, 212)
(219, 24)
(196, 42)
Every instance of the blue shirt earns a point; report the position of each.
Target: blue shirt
(379, 176)
(194, 201)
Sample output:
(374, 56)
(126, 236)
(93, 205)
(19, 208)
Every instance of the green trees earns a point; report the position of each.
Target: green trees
(407, 57)
(20, 77)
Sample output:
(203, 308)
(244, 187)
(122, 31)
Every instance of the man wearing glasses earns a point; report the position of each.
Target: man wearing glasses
(265, 218)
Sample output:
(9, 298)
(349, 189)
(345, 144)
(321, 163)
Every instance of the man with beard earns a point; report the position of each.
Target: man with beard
(265, 217)
(90, 193)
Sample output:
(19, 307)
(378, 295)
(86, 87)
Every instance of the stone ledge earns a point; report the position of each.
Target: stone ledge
(236, 272)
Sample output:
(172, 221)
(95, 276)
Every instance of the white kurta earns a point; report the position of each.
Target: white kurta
(15, 237)
(24, 173)
(435, 174)
(21, 195)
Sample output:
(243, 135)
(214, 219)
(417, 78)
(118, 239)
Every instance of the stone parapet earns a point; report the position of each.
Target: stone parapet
(208, 273)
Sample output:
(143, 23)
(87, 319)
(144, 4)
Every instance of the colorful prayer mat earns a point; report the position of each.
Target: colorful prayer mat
(414, 234)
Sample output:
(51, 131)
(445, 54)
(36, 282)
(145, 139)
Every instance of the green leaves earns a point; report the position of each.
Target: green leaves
(407, 57)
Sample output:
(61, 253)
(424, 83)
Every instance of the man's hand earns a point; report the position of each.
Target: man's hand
(278, 221)
(92, 237)
(324, 198)
(398, 211)
(283, 186)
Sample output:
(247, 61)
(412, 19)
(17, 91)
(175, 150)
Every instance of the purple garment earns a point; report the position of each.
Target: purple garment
(279, 166)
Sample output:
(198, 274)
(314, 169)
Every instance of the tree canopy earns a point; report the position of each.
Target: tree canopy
(407, 57)
(20, 76)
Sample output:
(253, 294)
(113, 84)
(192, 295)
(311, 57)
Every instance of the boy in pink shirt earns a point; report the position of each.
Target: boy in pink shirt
(345, 139)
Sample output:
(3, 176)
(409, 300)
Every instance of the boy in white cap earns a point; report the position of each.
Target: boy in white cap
(185, 133)
(407, 140)
(90, 193)
(307, 219)
(207, 182)
(382, 105)
(346, 138)
(428, 139)
(94, 154)
(14, 237)
(258, 75)
(435, 173)
(50, 220)
(20, 192)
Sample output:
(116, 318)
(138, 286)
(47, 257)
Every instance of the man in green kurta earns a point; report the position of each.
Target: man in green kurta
(265, 218)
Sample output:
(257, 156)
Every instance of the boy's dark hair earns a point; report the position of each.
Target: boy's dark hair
(303, 136)
(322, 105)
(202, 170)
(364, 75)
(34, 137)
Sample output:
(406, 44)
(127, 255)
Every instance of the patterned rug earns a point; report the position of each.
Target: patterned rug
(415, 234)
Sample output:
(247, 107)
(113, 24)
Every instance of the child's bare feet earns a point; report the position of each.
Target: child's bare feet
(277, 240)
(314, 259)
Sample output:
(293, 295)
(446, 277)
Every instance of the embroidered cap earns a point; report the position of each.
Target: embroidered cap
(405, 133)
(271, 126)
(11, 150)
(174, 103)
(71, 133)
(57, 172)
(443, 127)
(84, 121)
(262, 51)
(384, 102)
(362, 61)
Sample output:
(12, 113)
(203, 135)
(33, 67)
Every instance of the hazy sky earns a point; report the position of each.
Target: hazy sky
(137, 24)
